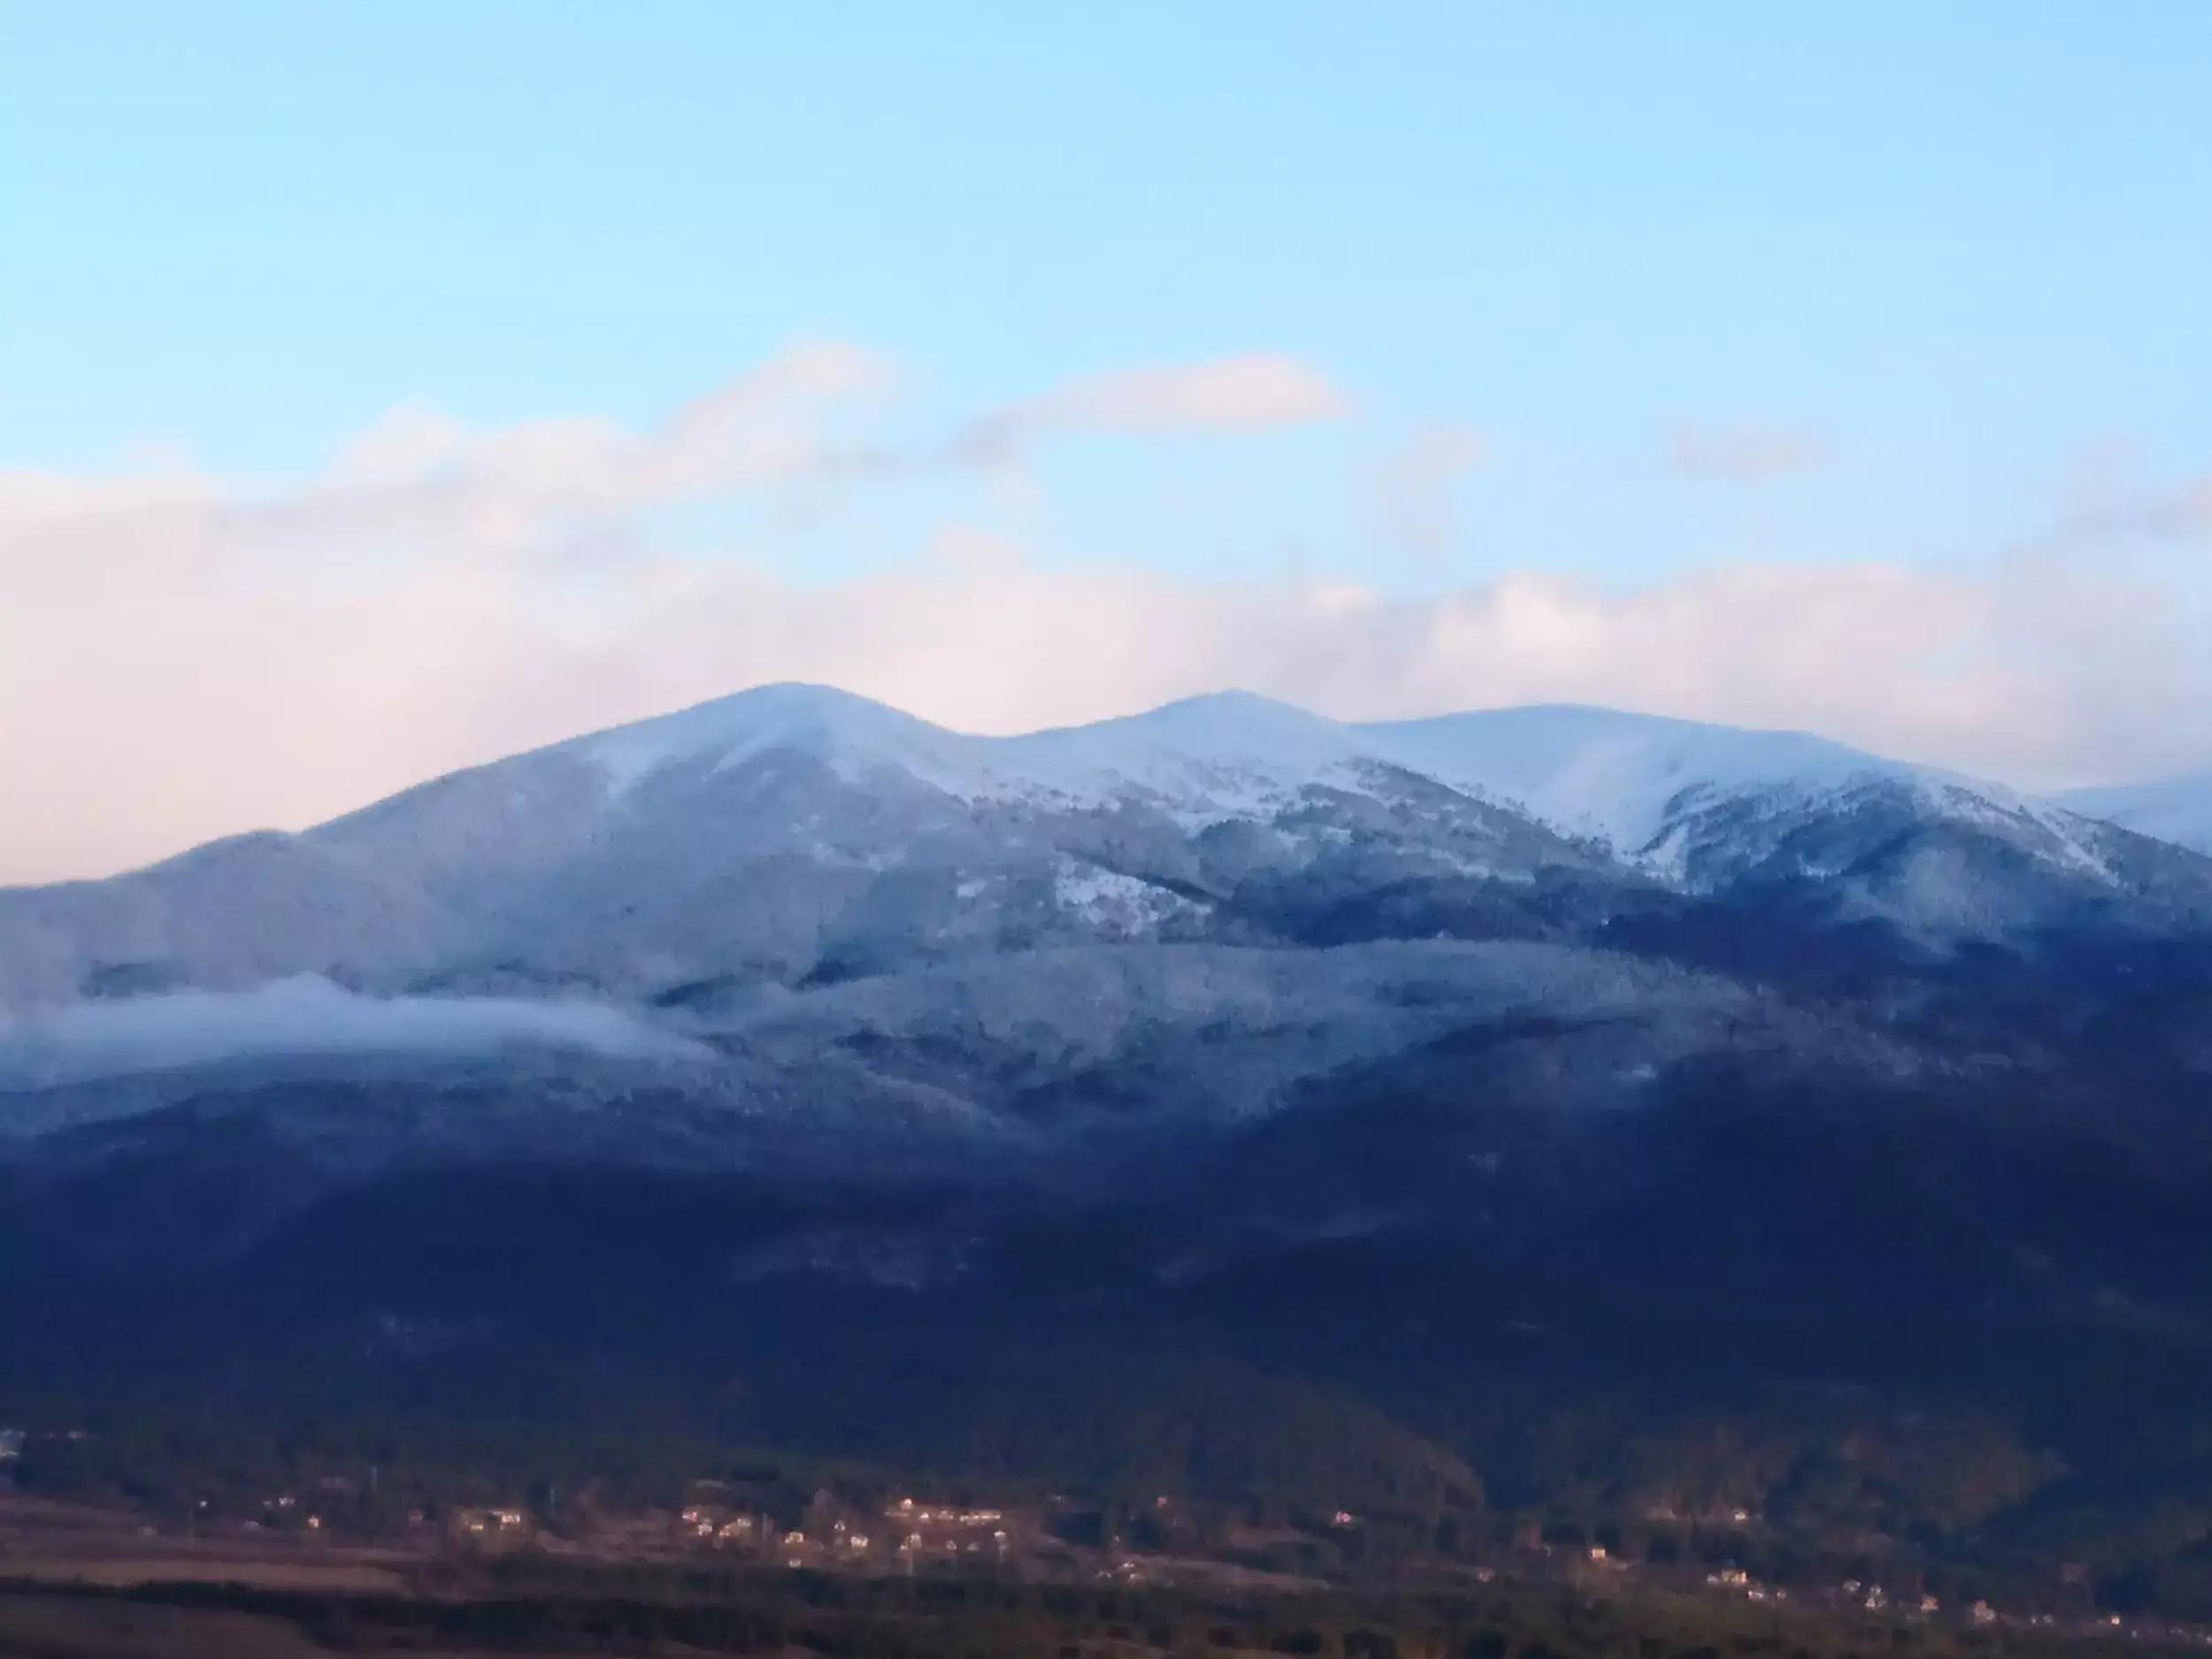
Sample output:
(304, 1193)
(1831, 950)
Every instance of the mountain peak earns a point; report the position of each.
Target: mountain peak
(820, 720)
(1235, 701)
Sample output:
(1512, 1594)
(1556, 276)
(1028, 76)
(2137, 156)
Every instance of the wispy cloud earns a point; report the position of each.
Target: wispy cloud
(1226, 395)
(1743, 454)
(1415, 486)
(2179, 512)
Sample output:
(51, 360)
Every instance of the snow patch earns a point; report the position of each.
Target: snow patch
(1113, 902)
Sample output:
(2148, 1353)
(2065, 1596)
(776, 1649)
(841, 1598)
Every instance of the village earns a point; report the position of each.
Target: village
(341, 1530)
(288, 1541)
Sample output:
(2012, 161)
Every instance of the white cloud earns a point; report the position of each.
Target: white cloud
(416, 469)
(180, 660)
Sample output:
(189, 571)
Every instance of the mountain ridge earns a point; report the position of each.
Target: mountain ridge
(771, 833)
(799, 710)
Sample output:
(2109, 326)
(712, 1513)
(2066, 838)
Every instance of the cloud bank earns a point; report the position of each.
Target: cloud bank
(182, 657)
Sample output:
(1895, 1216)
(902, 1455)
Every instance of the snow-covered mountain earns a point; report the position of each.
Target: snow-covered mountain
(2177, 810)
(1221, 981)
(794, 831)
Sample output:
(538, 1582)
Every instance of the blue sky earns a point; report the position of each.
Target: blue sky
(1924, 285)
(1960, 243)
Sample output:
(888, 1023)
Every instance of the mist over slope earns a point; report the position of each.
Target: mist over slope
(2177, 810)
(306, 1018)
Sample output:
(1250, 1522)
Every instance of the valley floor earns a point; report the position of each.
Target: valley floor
(793, 1616)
